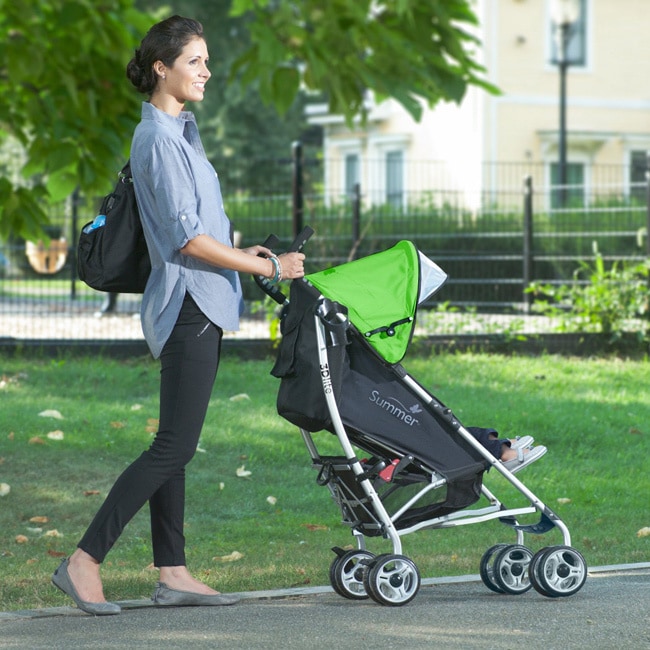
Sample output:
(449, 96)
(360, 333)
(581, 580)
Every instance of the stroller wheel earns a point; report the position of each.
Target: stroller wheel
(346, 574)
(392, 580)
(486, 568)
(533, 572)
(561, 571)
(511, 569)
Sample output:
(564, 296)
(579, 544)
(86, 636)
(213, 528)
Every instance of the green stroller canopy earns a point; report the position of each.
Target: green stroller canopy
(382, 292)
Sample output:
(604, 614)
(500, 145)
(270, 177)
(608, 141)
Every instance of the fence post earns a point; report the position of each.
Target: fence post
(647, 204)
(356, 214)
(647, 221)
(297, 195)
(528, 241)
(72, 252)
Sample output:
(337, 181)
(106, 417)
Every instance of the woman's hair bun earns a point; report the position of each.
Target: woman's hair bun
(136, 74)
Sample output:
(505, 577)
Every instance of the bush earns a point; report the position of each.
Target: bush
(611, 301)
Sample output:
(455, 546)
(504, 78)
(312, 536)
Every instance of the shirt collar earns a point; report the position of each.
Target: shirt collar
(150, 112)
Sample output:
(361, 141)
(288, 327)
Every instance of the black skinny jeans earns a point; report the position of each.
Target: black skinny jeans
(189, 363)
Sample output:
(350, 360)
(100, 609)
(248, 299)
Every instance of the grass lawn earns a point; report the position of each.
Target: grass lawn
(274, 528)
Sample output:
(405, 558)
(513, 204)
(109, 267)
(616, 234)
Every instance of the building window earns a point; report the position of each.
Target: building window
(574, 190)
(352, 173)
(395, 178)
(638, 182)
(577, 54)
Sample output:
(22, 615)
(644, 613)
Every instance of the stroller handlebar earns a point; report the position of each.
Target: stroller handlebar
(302, 238)
(272, 242)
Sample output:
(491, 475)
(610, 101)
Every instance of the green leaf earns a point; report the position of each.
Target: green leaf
(69, 81)
(284, 86)
(62, 183)
(240, 7)
(64, 154)
(22, 214)
(20, 66)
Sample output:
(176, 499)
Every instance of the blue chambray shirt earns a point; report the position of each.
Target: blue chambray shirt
(179, 197)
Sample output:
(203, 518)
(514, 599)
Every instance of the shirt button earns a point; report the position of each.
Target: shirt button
(183, 217)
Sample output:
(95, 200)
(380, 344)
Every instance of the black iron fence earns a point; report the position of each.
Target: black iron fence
(493, 242)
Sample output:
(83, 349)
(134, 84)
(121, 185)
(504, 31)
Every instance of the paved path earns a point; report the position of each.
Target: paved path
(611, 611)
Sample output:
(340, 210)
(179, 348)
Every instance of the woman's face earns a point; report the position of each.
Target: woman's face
(186, 79)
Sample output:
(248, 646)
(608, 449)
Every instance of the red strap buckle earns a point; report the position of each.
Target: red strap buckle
(386, 474)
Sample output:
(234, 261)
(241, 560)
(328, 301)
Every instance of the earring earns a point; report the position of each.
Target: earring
(164, 76)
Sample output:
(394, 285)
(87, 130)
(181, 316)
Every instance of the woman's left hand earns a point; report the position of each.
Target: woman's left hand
(257, 250)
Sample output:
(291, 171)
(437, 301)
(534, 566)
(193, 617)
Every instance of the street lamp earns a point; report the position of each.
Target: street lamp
(564, 14)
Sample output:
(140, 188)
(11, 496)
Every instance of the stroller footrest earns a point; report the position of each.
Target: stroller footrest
(542, 526)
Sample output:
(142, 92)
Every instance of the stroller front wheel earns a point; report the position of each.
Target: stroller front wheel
(392, 580)
(511, 569)
(560, 571)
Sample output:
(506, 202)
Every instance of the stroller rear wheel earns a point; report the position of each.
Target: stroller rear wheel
(392, 580)
(560, 571)
(346, 574)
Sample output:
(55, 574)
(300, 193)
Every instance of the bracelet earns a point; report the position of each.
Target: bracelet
(279, 269)
(277, 275)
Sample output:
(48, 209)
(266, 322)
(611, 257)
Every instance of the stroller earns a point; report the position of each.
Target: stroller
(407, 463)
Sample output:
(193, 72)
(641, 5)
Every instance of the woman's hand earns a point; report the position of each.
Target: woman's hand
(257, 250)
(292, 265)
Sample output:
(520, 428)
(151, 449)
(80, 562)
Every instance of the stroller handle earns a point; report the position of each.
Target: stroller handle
(272, 242)
(300, 241)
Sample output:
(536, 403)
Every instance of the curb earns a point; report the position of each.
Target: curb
(295, 592)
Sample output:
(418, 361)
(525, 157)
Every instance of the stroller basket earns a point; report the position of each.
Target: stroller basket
(407, 492)
(336, 473)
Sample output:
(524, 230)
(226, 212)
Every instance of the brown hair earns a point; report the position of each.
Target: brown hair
(163, 42)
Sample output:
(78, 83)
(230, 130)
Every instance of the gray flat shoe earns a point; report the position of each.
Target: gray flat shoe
(61, 580)
(166, 597)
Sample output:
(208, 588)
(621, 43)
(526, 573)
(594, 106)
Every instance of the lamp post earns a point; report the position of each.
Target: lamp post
(564, 14)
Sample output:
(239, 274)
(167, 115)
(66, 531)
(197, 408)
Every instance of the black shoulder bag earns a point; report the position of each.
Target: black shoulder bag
(112, 252)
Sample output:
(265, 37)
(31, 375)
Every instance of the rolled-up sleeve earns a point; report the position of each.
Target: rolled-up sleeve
(175, 193)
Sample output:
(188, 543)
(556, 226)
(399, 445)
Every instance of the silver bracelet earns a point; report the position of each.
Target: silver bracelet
(277, 275)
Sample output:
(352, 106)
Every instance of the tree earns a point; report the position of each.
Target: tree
(63, 97)
(65, 100)
(410, 50)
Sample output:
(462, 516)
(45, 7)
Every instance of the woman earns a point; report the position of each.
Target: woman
(193, 293)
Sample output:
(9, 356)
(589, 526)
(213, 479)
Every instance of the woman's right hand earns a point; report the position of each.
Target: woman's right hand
(292, 265)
